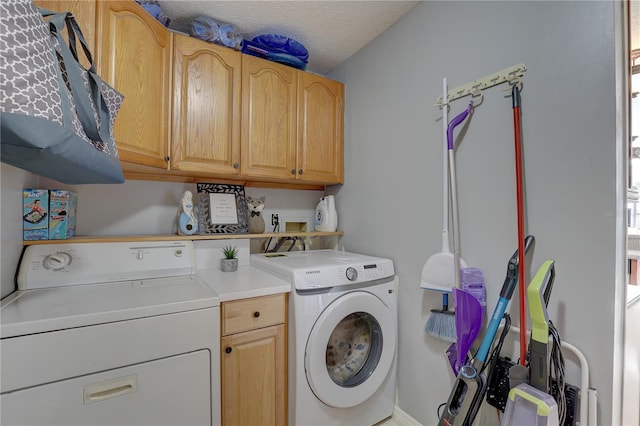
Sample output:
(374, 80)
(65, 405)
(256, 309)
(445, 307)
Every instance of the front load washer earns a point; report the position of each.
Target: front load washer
(342, 335)
(110, 334)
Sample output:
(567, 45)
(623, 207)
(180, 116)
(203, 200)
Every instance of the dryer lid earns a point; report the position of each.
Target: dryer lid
(35, 311)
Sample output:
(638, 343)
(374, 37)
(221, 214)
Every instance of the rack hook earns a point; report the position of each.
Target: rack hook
(514, 81)
(479, 95)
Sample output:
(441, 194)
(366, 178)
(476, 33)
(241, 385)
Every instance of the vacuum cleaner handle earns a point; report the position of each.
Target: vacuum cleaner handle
(513, 267)
(506, 293)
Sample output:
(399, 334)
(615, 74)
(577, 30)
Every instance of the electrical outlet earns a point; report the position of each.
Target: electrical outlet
(275, 219)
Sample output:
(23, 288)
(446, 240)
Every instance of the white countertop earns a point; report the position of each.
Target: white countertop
(246, 282)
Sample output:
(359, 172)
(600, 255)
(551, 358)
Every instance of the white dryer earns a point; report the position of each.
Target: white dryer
(342, 335)
(110, 334)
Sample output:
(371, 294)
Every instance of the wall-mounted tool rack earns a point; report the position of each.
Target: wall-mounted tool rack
(511, 74)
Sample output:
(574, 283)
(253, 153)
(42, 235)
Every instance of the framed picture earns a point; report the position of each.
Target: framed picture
(222, 209)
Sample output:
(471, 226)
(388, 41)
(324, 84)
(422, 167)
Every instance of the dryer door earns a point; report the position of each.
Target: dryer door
(350, 350)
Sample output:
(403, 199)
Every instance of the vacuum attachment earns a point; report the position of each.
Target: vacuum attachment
(530, 406)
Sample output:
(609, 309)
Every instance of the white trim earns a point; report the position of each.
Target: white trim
(621, 32)
(400, 418)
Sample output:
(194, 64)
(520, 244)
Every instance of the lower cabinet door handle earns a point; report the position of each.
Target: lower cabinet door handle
(228, 349)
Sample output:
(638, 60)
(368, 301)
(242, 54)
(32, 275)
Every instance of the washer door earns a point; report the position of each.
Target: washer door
(350, 350)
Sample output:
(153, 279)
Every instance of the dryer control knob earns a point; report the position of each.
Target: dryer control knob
(352, 274)
(57, 261)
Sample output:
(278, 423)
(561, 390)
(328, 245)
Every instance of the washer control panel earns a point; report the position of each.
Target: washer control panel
(316, 269)
(63, 264)
(337, 275)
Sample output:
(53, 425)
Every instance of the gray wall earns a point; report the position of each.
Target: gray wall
(390, 204)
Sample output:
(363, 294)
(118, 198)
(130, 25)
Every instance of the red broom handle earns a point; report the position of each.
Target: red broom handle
(521, 236)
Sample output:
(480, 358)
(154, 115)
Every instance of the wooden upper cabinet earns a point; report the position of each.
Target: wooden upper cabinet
(197, 109)
(269, 119)
(292, 124)
(206, 107)
(320, 129)
(134, 57)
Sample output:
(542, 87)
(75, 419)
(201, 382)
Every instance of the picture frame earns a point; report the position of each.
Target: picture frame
(222, 209)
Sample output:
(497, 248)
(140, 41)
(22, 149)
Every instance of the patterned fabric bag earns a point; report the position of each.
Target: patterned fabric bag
(56, 116)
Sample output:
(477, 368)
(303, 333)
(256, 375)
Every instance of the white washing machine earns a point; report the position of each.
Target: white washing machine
(110, 334)
(342, 335)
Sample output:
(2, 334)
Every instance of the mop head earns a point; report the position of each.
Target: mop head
(442, 325)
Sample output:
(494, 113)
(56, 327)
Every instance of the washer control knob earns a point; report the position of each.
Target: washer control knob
(351, 274)
(57, 261)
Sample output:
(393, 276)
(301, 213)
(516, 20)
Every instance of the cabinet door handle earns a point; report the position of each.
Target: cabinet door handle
(293, 171)
(256, 314)
(236, 165)
(300, 171)
(228, 349)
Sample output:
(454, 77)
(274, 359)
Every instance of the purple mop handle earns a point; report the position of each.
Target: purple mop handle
(455, 122)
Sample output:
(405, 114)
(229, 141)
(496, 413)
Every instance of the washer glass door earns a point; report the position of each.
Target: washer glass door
(354, 349)
(350, 350)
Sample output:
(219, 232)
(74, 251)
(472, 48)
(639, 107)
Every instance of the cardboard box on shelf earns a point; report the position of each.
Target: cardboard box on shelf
(35, 214)
(62, 214)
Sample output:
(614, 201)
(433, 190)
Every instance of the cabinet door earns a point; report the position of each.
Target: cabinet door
(254, 377)
(85, 14)
(269, 119)
(206, 107)
(135, 51)
(320, 129)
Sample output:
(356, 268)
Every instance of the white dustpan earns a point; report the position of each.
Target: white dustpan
(438, 273)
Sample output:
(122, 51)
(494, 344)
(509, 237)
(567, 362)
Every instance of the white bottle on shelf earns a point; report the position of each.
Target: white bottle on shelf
(326, 215)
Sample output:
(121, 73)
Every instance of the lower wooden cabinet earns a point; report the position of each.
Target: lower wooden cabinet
(254, 361)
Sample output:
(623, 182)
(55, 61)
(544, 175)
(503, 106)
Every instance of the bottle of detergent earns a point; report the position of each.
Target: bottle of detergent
(326, 215)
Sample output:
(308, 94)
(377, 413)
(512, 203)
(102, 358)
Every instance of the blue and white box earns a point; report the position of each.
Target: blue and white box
(35, 214)
(62, 214)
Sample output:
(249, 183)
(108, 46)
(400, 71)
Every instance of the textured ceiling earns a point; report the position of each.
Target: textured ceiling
(331, 30)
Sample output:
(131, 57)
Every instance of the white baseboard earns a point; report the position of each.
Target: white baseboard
(401, 418)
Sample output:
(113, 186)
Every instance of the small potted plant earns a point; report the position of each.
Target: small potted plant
(229, 263)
